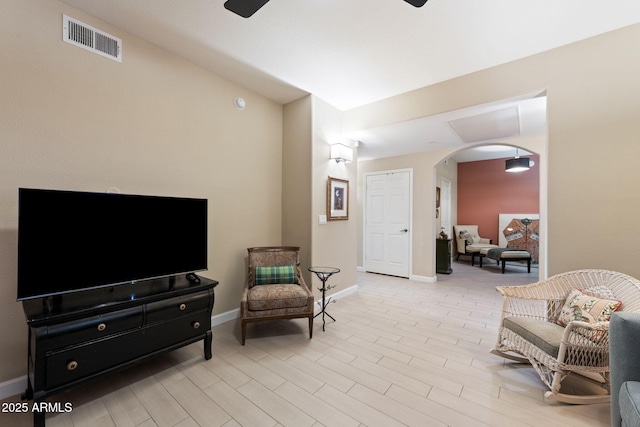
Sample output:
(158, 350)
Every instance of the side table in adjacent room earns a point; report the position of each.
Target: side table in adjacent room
(443, 256)
(323, 274)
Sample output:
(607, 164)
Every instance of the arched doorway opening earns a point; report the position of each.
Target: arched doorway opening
(415, 144)
(481, 192)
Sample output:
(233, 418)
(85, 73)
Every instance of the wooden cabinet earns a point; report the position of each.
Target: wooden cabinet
(443, 256)
(78, 337)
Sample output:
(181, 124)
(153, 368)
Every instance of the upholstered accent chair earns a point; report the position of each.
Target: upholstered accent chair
(469, 242)
(560, 326)
(625, 369)
(275, 288)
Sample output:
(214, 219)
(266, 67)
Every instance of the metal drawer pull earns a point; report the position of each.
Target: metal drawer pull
(102, 327)
(195, 325)
(183, 307)
(72, 365)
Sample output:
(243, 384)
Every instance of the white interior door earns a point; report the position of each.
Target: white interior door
(388, 223)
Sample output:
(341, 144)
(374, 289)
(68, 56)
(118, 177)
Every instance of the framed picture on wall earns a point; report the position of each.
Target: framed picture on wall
(337, 199)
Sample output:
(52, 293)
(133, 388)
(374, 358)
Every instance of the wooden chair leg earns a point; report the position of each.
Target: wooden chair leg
(244, 331)
(310, 326)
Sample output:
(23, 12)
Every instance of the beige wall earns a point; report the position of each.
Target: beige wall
(310, 127)
(334, 244)
(422, 254)
(592, 142)
(297, 179)
(154, 124)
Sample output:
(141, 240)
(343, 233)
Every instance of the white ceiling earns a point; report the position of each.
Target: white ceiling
(354, 52)
(435, 132)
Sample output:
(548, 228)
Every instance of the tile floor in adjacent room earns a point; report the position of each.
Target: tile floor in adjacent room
(401, 353)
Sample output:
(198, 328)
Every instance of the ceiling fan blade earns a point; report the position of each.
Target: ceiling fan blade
(244, 8)
(416, 3)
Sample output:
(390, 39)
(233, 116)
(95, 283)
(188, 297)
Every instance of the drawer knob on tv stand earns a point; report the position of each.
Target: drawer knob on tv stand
(195, 325)
(102, 327)
(183, 307)
(72, 365)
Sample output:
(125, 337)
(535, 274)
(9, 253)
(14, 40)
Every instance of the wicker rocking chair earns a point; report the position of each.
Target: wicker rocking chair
(529, 330)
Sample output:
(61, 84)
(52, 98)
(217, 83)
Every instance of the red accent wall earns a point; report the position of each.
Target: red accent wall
(485, 190)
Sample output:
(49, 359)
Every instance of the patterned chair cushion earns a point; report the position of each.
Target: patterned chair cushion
(271, 275)
(269, 297)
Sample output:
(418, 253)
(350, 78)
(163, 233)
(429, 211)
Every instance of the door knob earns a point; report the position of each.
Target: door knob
(404, 230)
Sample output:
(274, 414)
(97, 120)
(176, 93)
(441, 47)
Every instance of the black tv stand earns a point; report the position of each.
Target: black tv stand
(50, 303)
(78, 337)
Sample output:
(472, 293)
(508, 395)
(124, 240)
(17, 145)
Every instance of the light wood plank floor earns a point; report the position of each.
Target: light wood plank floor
(401, 353)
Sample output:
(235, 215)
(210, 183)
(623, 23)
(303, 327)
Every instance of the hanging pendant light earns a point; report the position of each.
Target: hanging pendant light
(518, 164)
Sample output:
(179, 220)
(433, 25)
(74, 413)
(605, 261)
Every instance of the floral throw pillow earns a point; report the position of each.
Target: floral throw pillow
(586, 308)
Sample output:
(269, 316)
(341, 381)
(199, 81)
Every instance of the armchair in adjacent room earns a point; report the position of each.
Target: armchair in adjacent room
(275, 288)
(469, 242)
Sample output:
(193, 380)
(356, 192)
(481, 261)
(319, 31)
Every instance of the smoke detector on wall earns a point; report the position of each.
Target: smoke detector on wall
(240, 103)
(87, 37)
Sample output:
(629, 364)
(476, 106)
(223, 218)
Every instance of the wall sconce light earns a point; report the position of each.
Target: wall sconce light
(518, 164)
(341, 153)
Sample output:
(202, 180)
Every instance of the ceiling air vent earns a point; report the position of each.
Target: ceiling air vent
(92, 39)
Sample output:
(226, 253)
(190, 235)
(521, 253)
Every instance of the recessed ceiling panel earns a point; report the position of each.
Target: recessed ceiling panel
(498, 124)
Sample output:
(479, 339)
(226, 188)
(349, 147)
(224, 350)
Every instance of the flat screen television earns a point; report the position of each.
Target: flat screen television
(70, 241)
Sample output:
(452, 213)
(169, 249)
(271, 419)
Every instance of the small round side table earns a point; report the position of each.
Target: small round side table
(323, 274)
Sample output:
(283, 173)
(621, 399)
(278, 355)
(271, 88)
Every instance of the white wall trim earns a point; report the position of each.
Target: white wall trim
(13, 387)
(235, 314)
(225, 317)
(415, 277)
(426, 279)
(336, 296)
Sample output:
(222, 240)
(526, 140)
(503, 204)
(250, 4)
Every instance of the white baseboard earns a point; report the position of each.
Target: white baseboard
(343, 293)
(360, 269)
(19, 385)
(426, 279)
(225, 317)
(415, 277)
(13, 387)
(235, 314)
